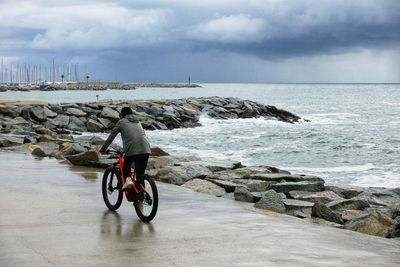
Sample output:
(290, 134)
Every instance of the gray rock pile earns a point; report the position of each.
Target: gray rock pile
(29, 123)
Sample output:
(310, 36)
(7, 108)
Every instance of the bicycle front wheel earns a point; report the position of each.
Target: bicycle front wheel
(111, 188)
(146, 206)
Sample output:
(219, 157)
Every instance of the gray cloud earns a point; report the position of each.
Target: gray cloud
(197, 34)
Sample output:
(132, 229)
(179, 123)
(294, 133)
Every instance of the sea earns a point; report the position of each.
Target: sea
(352, 136)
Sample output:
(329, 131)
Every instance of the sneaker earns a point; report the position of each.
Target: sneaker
(128, 184)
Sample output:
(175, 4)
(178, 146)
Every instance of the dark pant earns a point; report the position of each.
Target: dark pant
(140, 162)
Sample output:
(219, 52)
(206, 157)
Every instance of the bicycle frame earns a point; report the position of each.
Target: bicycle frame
(121, 161)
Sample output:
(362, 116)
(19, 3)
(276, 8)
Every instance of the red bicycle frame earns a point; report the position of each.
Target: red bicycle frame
(121, 161)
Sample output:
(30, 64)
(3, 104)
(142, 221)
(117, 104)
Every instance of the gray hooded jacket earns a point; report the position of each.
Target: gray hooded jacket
(134, 139)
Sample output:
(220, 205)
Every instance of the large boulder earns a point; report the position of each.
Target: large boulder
(286, 187)
(106, 122)
(75, 112)
(383, 197)
(278, 175)
(158, 152)
(229, 186)
(319, 210)
(60, 121)
(94, 126)
(241, 173)
(293, 204)
(37, 151)
(10, 110)
(375, 223)
(271, 200)
(6, 141)
(38, 114)
(179, 174)
(75, 124)
(243, 194)
(110, 114)
(348, 204)
(49, 113)
(204, 186)
(89, 158)
(348, 215)
(345, 191)
(322, 197)
(70, 149)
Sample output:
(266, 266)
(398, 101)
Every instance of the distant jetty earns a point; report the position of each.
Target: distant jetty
(93, 86)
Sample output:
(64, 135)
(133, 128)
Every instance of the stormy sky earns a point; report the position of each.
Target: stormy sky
(210, 40)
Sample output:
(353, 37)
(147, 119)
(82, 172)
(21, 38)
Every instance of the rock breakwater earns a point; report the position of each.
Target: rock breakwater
(23, 122)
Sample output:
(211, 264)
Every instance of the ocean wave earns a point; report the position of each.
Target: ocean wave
(387, 179)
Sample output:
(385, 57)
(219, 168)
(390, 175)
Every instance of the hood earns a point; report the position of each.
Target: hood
(131, 118)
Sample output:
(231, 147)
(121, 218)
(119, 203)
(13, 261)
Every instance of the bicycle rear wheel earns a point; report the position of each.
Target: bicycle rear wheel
(146, 207)
(111, 189)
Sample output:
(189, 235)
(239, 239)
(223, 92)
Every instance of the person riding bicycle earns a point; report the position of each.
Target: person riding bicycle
(136, 146)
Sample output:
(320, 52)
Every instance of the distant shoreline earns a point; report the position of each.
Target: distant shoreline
(91, 86)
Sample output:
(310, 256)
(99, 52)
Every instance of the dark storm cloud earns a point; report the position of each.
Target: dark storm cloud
(156, 32)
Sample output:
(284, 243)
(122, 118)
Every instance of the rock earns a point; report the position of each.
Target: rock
(321, 211)
(241, 173)
(286, 187)
(396, 190)
(76, 124)
(322, 197)
(158, 152)
(348, 215)
(159, 125)
(180, 174)
(110, 114)
(60, 121)
(30, 139)
(7, 141)
(10, 111)
(49, 113)
(95, 140)
(94, 126)
(348, 204)
(255, 185)
(375, 223)
(278, 177)
(293, 204)
(37, 151)
(88, 158)
(46, 138)
(243, 194)
(70, 149)
(172, 175)
(75, 112)
(106, 122)
(380, 197)
(345, 191)
(271, 200)
(214, 166)
(229, 186)
(203, 186)
(248, 111)
(38, 114)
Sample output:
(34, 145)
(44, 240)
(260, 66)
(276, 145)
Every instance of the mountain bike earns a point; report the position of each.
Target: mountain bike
(144, 196)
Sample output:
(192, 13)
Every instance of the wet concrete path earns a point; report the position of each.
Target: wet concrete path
(51, 214)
